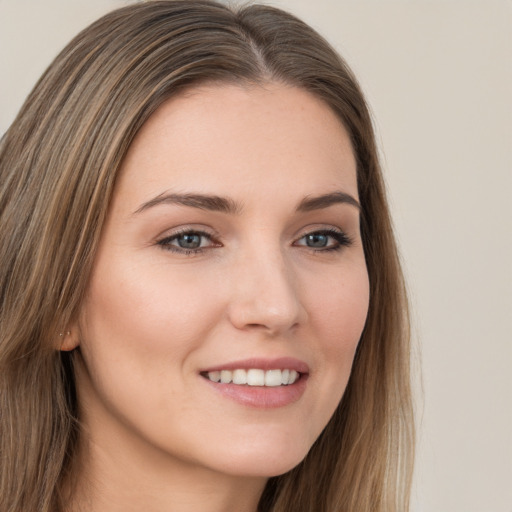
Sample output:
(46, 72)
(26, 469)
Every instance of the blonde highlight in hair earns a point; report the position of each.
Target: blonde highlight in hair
(58, 167)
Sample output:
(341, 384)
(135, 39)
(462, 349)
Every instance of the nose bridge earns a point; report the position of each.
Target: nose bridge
(266, 294)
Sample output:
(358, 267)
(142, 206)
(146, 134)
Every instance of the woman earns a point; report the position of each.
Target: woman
(202, 305)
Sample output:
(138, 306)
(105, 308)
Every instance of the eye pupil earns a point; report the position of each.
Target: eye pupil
(317, 240)
(189, 241)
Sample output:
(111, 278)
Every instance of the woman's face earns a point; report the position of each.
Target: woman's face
(232, 243)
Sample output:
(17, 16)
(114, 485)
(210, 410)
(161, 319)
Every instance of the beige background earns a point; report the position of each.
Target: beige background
(438, 75)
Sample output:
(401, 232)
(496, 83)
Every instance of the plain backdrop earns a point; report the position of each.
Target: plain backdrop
(438, 76)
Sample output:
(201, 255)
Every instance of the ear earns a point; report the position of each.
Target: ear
(68, 340)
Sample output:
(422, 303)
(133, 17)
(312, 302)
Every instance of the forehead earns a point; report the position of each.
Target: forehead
(234, 138)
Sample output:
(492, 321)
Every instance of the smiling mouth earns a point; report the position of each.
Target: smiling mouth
(254, 377)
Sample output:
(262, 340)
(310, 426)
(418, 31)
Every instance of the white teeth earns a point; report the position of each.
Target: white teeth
(215, 376)
(239, 377)
(226, 376)
(255, 377)
(293, 377)
(273, 378)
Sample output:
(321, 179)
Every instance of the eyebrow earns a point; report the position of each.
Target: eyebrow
(311, 203)
(201, 201)
(226, 205)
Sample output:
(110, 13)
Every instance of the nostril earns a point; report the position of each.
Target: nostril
(265, 297)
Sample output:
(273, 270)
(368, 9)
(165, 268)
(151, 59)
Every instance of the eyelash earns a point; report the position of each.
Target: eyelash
(165, 243)
(342, 240)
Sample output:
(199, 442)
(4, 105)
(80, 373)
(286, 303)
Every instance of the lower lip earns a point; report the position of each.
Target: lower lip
(261, 397)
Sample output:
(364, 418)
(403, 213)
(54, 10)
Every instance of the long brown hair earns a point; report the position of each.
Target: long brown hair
(58, 166)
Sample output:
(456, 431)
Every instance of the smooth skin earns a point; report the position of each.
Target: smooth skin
(177, 289)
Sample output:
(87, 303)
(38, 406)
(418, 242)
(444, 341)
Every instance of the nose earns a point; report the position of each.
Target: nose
(265, 294)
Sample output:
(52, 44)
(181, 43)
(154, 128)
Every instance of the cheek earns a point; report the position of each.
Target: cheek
(138, 328)
(339, 308)
(338, 314)
(146, 306)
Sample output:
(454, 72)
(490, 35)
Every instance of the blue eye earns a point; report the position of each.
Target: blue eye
(317, 240)
(187, 242)
(325, 240)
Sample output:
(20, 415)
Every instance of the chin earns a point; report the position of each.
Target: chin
(265, 461)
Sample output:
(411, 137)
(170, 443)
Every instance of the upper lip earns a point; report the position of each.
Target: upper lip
(281, 363)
